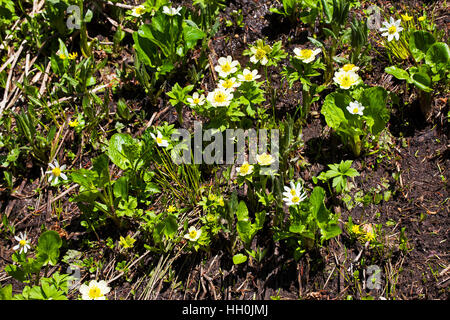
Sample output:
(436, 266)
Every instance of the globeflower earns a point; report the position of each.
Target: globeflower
(23, 244)
(193, 234)
(226, 66)
(95, 290)
(306, 55)
(391, 29)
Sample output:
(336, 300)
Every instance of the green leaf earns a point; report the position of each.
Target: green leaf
(333, 109)
(170, 226)
(6, 292)
(398, 73)
(331, 231)
(242, 211)
(438, 56)
(239, 258)
(422, 81)
(48, 244)
(116, 150)
(374, 100)
(419, 42)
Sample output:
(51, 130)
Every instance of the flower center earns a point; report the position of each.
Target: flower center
(226, 67)
(295, 199)
(196, 100)
(228, 84)
(355, 110)
(219, 97)
(293, 192)
(159, 140)
(23, 242)
(306, 53)
(192, 233)
(94, 293)
(140, 10)
(249, 76)
(392, 29)
(346, 81)
(244, 168)
(260, 53)
(56, 172)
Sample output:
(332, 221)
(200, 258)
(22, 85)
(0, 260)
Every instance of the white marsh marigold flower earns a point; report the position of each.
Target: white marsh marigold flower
(294, 194)
(259, 55)
(355, 108)
(96, 290)
(248, 75)
(138, 11)
(391, 29)
(172, 11)
(56, 172)
(220, 97)
(346, 79)
(245, 169)
(160, 141)
(193, 234)
(23, 245)
(306, 55)
(226, 66)
(196, 100)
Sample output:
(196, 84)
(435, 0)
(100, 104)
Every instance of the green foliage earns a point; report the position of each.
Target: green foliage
(309, 223)
(351, 128)
(339, 173)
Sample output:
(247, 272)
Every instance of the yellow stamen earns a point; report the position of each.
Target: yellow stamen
(94, 293)
(56, 172)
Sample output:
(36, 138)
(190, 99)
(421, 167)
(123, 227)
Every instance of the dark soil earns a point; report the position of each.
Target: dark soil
(418, 150)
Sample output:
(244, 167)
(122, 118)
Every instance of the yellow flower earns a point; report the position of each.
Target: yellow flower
(73, 123)
(349, 67)
(355, 229)
(422, 18)
(211, 197)
(62, 56)
(406, 17)
(171, 209)
(73, 55)
(370, 236)
(220, 201)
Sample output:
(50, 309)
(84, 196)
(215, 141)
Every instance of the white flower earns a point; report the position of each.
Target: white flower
(193, 234)
(56, 172)
(294, 194)
(391, 29)
(226, 66)
(349, 67)
(172, 11)
(229, 84)
(245, 169)
(138, 11)
(220, 97)
(248, 75)
(306, 55)
(265, 159)
(259, 55)
(23, 245)
(95, 290)
(355, 108)
(196, 99)
(346, 79)
(159, 140)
